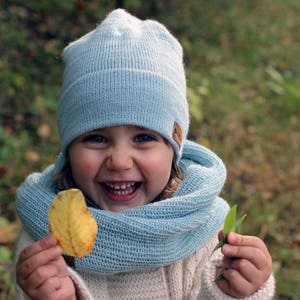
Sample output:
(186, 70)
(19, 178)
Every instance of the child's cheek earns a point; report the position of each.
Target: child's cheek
(84, 164)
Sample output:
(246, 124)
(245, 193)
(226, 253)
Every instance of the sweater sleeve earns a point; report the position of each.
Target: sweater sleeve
(209, 290)
(82, 291)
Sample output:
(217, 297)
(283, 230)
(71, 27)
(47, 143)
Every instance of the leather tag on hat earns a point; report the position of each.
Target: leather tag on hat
(177, 134)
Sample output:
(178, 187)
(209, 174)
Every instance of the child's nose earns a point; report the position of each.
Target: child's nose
(119, 159)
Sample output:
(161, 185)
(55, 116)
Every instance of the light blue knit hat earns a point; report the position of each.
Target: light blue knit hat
(125, 72)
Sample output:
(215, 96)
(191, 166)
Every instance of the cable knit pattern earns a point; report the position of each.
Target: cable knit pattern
(187, 279)
(151, 235)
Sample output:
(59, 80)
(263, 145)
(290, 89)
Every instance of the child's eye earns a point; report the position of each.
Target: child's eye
(144, 137)
(94, 138)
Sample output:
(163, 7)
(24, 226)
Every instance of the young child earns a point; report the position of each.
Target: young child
(123, 121)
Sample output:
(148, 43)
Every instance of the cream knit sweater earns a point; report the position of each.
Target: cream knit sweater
(190, 278)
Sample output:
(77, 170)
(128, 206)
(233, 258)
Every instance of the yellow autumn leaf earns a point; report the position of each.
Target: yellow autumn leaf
(72, 224)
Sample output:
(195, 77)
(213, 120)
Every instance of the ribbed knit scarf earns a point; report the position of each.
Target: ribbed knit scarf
(155, 234)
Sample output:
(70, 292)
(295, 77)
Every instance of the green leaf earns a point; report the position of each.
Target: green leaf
(230, 225)
(237, 224)
(220, 244)
(219, 278)
(230, 219)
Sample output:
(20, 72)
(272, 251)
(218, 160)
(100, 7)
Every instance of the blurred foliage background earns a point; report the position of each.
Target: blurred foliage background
(242, 67)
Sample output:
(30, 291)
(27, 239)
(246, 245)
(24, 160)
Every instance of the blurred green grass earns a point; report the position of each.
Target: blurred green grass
(242, 70)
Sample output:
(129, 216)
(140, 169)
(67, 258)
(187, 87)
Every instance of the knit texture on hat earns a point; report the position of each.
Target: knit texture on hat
(125, 72)
(155, 234)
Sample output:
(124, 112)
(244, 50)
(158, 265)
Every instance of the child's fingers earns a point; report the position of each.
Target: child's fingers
(36, 247)
(25, 267)
(56, 288)
(60, 266)
(41, 275)
(49, 287)
(245, 268)
(246, 264)
(247, 240)
(67, 290)
(235, 284)
(49, 281)
(248, 271)
(255, 255)
(46, 286)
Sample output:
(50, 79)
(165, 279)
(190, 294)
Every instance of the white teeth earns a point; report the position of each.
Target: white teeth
(121, 189)
(122, 186)
(123, 192)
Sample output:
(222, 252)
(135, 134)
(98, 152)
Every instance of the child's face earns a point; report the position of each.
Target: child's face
(121, 167)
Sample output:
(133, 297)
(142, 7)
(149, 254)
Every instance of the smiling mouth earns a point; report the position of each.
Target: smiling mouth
(121, 190)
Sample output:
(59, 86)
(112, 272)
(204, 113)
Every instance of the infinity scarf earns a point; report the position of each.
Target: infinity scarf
(152, 235)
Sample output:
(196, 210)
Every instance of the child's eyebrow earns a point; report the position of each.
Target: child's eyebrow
(142, 128)
(133, 126)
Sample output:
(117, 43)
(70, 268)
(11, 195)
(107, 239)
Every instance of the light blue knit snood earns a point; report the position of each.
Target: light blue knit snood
(152, 235)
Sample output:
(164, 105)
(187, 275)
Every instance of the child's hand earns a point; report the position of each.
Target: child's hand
(247, 264)
(42, 272)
